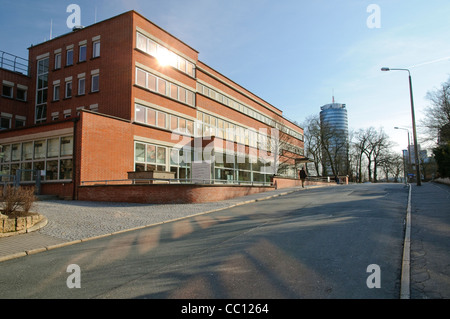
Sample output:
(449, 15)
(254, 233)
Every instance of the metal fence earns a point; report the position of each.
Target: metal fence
(13, 63)
(173, 181)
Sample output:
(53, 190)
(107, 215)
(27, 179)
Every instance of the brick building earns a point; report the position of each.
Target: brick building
(122, 96)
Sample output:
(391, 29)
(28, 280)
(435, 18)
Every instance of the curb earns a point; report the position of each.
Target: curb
(405, 278)
(44, 222)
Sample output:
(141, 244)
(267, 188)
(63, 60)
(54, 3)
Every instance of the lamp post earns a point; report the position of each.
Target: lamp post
(408, 148)
(416, 151)
(404, 167)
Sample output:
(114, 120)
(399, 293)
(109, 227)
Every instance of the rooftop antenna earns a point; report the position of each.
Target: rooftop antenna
(333, 96)
(51, 27)
(95, 15)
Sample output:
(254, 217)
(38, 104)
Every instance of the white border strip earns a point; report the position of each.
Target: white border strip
(405, 280)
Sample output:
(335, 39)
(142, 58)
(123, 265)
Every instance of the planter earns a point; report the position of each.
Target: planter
(18, 224)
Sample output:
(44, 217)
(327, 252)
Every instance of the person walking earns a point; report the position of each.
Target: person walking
(303, 176)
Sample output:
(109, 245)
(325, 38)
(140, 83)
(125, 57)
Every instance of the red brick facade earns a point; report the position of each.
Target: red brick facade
(15, 108)
(127, 112)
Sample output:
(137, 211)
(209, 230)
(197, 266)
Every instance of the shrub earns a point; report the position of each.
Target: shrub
(14, 198)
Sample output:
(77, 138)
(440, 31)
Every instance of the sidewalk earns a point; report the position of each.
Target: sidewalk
(430, 241)
(71, 222)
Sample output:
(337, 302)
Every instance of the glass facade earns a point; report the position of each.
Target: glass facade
(52, 155)
(41, 91)
(242, 169)
(155, 157)
(333, 119)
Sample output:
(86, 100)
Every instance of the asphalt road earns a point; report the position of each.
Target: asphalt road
(315, 244)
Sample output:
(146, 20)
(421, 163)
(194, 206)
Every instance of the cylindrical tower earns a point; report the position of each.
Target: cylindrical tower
(334, 125)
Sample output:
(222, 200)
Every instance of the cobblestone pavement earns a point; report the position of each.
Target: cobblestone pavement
(78, 220)
(70, 221)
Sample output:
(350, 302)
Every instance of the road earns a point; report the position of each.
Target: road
(315, 243)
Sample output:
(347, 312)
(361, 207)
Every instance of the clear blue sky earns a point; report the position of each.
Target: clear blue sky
(292, 53)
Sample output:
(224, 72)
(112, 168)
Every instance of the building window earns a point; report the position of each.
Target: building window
(68, 93)
(242, 168)
(180, 163)
(164, 55)
(56, 93)
(27, 151)
(41, 113)
(20, 122)
(81, 86)
(51, 171)
(163, 120)
(54, 155)
(150, 157)
(65, 169)
(21, 94)
(96, 49)
(141, 78)
(7, 91)
(40, 148)
(5, 123)
(66, 146)
(161, 86)
(69, 57)
(42, 90)
(82, 54)
(95, 83)
(57, 61)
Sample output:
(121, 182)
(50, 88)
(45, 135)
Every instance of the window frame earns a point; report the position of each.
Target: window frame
(25, 94)
(95, 79)
(11, 91)
(3, 119)
(69, 61)
(82, 86)
(82, 53)
(68, 86)
(56, 91)
(96, 47)
(58, 59)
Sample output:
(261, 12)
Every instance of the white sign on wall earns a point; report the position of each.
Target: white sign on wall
(201, 172)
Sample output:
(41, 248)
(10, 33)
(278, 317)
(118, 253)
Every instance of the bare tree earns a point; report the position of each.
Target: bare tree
(285, 147)
(437, 115)
(381, 146)
(392, 165)
(334, 144)
(363, 138)
(313, 142)
(374, 145)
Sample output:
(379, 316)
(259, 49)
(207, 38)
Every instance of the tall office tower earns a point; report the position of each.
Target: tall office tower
(334, 125)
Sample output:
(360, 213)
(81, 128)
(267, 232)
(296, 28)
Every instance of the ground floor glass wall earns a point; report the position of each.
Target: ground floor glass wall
(232, 168)
(52, 156)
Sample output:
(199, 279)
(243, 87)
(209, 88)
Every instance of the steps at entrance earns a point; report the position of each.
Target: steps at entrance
(47, 197)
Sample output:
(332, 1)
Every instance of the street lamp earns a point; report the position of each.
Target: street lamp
(416, 152)
(409, 144)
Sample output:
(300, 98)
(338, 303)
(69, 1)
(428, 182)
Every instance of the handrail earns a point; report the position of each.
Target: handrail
(194, 181)
(172, 181)
(13, 63)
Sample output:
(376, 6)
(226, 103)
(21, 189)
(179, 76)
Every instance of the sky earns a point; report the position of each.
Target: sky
(294, 54)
